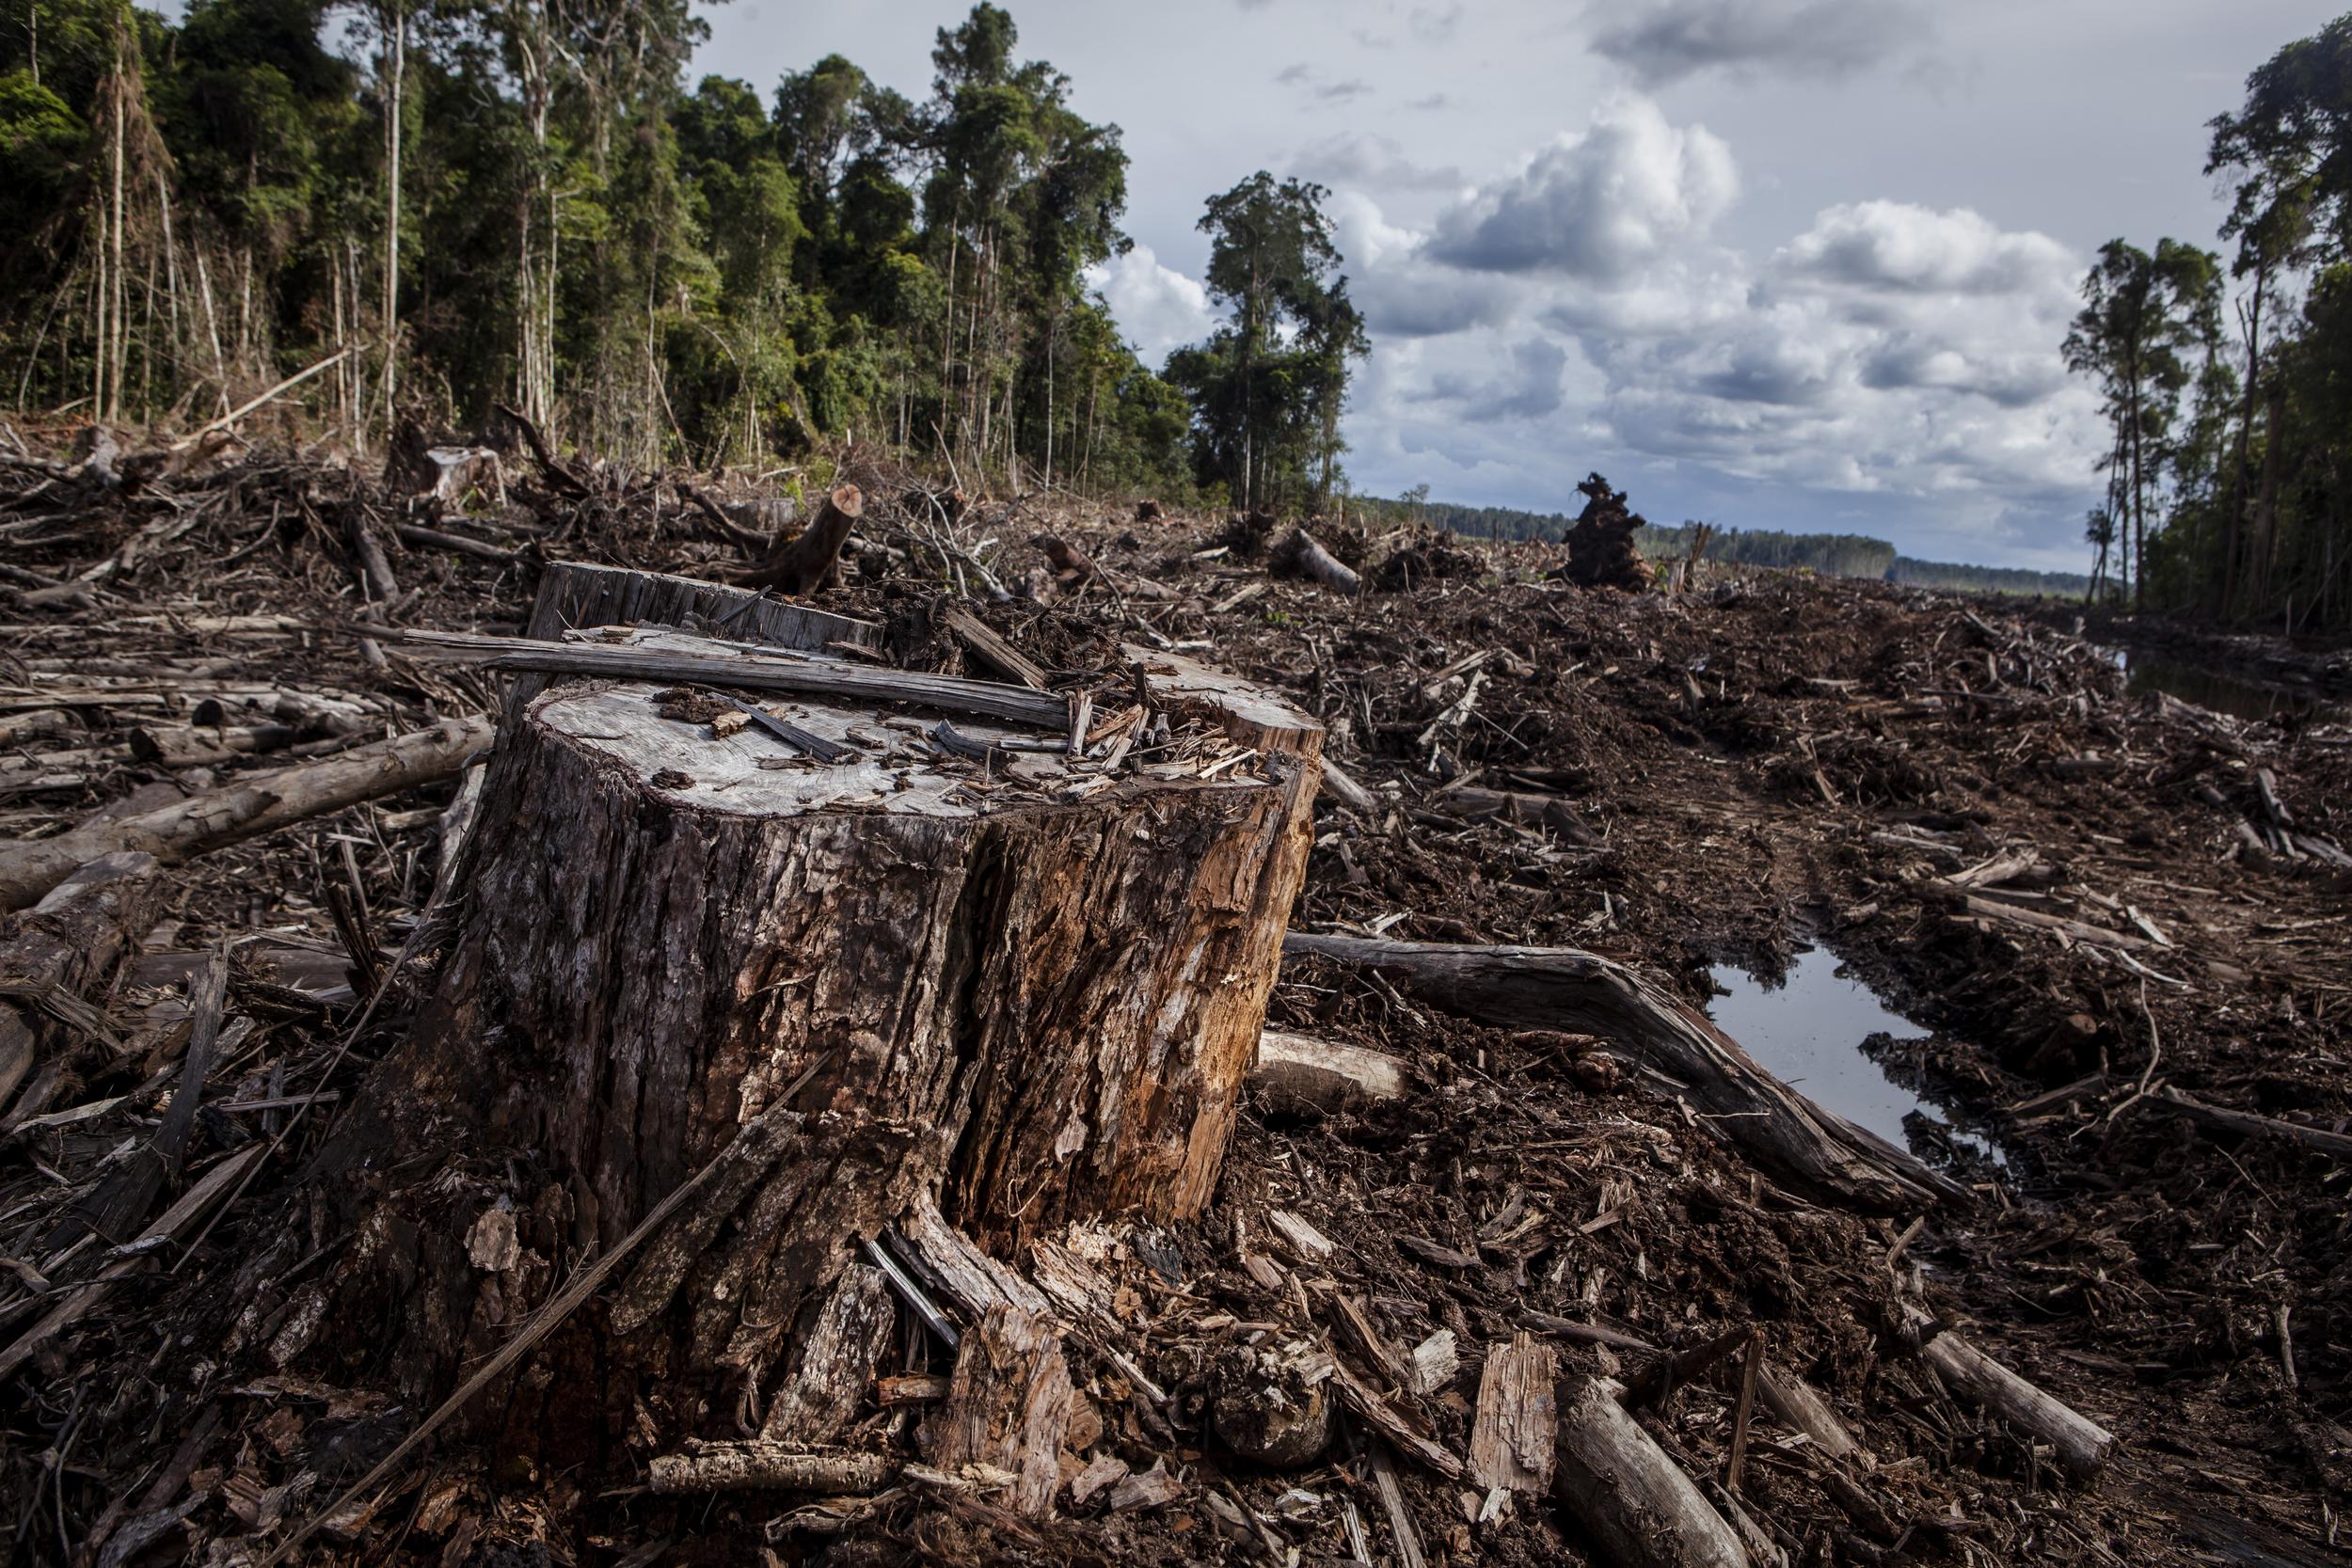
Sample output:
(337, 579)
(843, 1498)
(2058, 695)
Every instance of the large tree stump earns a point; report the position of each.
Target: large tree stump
(1029, 988)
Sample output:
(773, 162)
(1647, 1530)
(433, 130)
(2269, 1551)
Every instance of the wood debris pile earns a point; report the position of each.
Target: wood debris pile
(1468, 1275)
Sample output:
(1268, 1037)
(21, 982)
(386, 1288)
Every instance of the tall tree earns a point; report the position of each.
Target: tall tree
(1267, 387)
(2142, 318)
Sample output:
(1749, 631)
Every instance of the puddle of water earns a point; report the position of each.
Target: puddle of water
(1809, 1032)
(2217, 689)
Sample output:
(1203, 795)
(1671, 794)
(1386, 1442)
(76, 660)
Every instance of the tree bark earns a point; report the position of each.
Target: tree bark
(1785, 1134)
(1007, 1408)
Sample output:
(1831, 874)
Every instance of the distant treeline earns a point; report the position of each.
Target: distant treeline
(1988, 579)
(1844, 555)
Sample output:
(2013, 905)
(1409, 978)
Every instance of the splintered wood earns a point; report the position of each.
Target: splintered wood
(1008, 1411)
(1515, 1427)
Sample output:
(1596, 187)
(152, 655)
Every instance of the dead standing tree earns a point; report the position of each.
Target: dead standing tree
(1025, 988)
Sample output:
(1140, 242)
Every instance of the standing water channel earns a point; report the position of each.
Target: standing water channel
(1809, 1032)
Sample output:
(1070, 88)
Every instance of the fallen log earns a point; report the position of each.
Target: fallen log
(1327, 1075)
(1339, 787)
(247, 809)
(810, 560)
(991, 649)
(1300, 553)
(578, 596)
(1526, 809)
(2082, 1446)
(2222, 1118)
(671, 659)
(1787, 1136)
(435, 539)
(1628, 1496)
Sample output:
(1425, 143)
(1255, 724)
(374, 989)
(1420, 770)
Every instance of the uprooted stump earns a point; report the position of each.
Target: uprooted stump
(1601, 548)
(897, 961)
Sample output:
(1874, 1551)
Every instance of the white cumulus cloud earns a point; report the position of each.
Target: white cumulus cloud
(1158, 308)
(1601, 203)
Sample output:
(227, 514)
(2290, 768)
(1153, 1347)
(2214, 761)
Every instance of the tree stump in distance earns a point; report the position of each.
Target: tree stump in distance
(1029, 988)
(805, 561)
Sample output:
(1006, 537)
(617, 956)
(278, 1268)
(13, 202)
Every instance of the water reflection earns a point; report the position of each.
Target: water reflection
(1808, 1033)
(2217, 689)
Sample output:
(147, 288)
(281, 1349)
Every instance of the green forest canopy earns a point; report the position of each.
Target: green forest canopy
(2230, 468)
(468, 203)
(437, 207)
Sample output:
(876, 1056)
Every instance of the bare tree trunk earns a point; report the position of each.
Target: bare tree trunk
(2266, 508)
(2234, 546)
(397, 42)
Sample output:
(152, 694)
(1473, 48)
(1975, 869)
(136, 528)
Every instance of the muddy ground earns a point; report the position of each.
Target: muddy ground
(1758, 763)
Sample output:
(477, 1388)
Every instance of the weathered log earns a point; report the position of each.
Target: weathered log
(1339, 787)
(809, 561)
(560, 479)
(1623, 1491)
(666, 657)
(575, 596)
(1524, 808)
(1008, 1409)
(437, 539)
(1327, 1075)
(2083, 1446)
(991, 649)
(197, 746)
(1300, 553)
(1792, 1399)
(1788, 1137)
(2173, 1101)
(1033, 990)
(246, 809)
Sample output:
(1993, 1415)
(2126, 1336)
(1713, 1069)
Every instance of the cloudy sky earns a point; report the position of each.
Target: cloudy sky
(1776, 264)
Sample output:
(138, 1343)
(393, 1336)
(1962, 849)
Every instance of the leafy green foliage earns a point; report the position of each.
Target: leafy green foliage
(661, 272)
(2231, 466)
(1266, 390)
